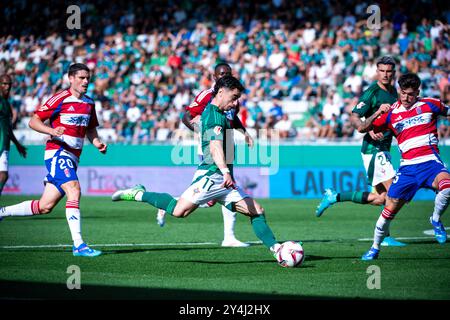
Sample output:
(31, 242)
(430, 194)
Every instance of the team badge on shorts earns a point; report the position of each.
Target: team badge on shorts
(67, 172)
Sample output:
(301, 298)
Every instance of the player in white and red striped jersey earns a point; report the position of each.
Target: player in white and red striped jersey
(191, 118)
(413, 121)
(71, 116)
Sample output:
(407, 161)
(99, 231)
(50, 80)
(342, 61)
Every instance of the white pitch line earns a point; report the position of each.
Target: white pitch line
(118, 245)
(400, 238)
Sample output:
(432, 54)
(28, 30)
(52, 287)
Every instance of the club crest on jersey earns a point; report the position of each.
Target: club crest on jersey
(360, 105)
(195, 191)
(217, 130)
(419, 110)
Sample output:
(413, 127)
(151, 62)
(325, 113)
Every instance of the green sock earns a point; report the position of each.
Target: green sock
(356, 197)
(262, 230)
(160, 200)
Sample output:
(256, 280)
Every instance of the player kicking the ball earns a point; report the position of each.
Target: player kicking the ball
(213, 179)
(191, 119)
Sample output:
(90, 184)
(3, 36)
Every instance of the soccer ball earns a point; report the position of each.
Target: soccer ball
(290, 254)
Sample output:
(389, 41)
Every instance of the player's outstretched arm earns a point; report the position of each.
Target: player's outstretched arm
(237, 124)
(22, 150)
(366, 125)
(92, 135)
(187, 121)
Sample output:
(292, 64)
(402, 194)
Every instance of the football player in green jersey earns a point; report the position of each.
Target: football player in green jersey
(6, 132)
(375, 150)
(213, 179)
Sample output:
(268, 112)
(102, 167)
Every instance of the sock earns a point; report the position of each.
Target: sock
(262, 230)
(382, 227)
(160, 200)
(74, 220)
(356, 197)
(26, 208)
(229, 219)
(442, 200)
(138, 196)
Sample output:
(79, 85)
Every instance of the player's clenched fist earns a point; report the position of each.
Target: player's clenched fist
(384, 108)
(58, 131)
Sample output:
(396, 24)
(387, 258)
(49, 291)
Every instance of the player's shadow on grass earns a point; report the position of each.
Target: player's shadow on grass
(13, 290)
(272, 261)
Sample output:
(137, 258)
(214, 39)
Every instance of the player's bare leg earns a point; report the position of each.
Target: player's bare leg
(49, 199)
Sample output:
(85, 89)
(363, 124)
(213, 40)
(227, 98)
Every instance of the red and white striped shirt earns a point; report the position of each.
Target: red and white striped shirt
(76, 115)
(200, 102)
(415, 129)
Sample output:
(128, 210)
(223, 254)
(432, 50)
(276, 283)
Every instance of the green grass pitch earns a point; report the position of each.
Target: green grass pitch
(184, 260)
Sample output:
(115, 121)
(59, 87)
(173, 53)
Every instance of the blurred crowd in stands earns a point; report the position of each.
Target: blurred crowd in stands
(150, 59)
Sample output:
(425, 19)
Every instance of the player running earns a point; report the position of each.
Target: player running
(190, 119)
(72, 118)
(413, 122)
(375, 148)
(213, 179)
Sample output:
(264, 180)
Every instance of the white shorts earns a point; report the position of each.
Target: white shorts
(378, 167)
(205, 187)
(4, 160)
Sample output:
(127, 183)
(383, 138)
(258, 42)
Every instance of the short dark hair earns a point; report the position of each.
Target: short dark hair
(228, 82)
(74, 68)
(409, 80)
(221, 64)
(386, 60)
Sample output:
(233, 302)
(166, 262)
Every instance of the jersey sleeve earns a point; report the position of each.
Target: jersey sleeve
(438, 107)
(50, 106)
(381, 123)
(199, 104)
(364, 104)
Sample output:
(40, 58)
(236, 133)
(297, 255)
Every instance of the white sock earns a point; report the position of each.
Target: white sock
(204, 205)
(229, 219)
(440, 204)
(26, 208)
(381, 231)
(73, 217)
(138, 196)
